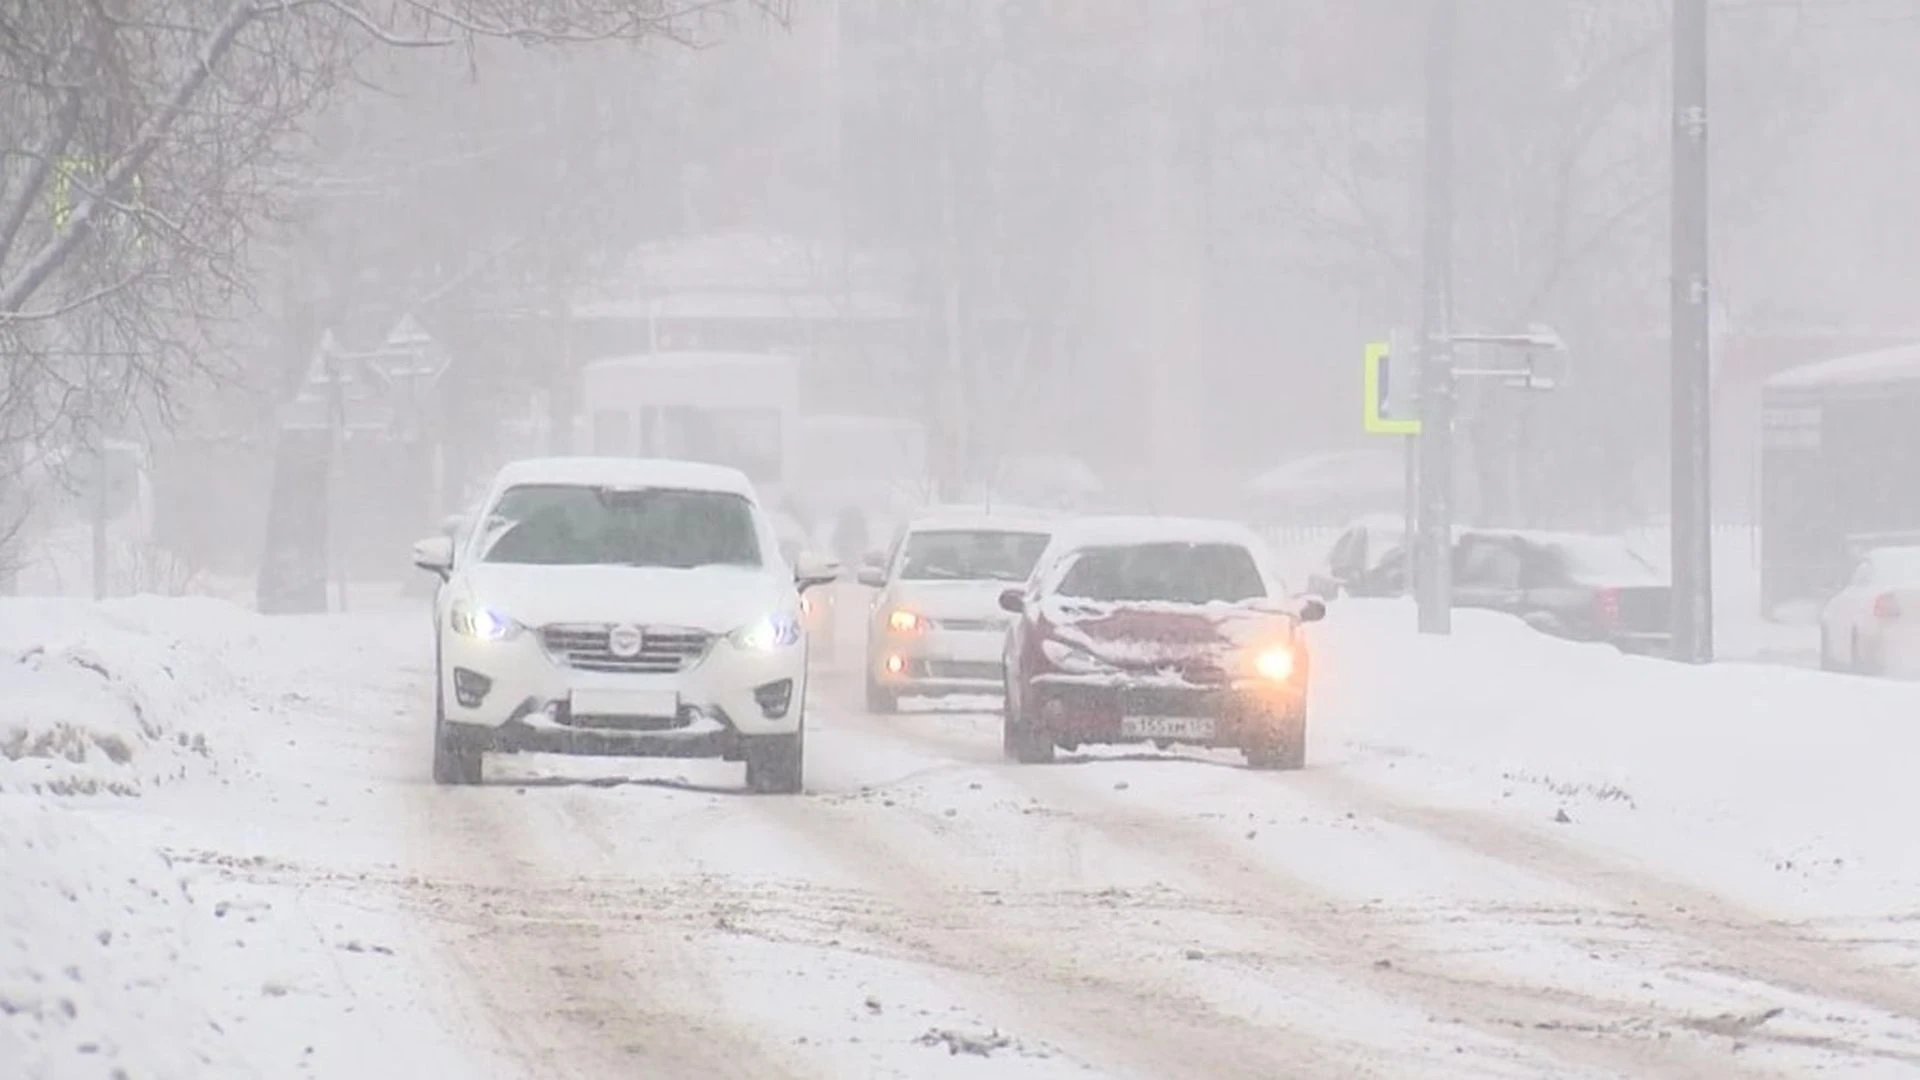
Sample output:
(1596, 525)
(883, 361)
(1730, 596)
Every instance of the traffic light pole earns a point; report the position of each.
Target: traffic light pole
(1691, 491)
(1433, 566)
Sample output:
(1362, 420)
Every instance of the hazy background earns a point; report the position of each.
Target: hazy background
(1150, 235)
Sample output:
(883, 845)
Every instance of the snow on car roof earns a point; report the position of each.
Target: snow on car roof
(625, 472)
(1109, 531)
(962, 520)
(1898, 364)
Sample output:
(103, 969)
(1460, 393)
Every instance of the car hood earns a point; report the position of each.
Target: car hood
(716, 599)
(1165, 637)
(953, 599)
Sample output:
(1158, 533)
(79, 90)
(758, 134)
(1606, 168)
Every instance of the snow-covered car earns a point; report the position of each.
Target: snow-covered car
(1157, 631)
(1872, 626)
(936, 627)
(621, 607)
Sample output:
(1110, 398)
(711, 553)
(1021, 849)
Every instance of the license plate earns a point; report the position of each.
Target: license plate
(1167, 727)
(647, 703)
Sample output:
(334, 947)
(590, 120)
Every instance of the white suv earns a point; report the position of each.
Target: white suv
(624, 607)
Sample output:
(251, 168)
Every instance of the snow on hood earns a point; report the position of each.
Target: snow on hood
(953, 599)
(1158, 635)
(716, 599)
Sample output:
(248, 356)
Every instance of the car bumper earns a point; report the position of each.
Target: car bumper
(1073, 711)
(515, 695)
(940, 662)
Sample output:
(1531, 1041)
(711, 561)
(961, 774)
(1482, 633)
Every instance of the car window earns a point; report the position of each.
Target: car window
(1489, 564)
(971, 555)
(1180, 573)
(1349, 553)
(575, 525)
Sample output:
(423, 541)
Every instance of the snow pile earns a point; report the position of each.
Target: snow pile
(1784, 765)
(109, 698)
(96, 938)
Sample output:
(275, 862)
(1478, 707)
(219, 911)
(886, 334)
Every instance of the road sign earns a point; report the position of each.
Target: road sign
(1391, 403)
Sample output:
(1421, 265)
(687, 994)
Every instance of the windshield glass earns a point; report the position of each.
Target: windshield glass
(1165, 573)
(571, 525)
(971, 555)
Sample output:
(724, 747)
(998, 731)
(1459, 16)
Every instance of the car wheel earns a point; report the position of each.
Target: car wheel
(775, 763)
(1283, 748)
(880, 700)
(1859, 660)
(1023, 742)
(454, 761)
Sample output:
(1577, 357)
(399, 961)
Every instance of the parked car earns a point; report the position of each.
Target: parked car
(1572, 585)
(1163, 631)
(936, 627)
(623, 607)
(1872, 626)
(1368, 560)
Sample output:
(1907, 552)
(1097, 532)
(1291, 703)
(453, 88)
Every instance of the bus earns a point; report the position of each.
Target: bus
(736, 409)
(1839, 470)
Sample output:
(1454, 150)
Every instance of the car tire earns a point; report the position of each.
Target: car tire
(1020, 742)
(880, 700)
(776, 763)
(1858, 661)
(454, 761)
(1281, 750)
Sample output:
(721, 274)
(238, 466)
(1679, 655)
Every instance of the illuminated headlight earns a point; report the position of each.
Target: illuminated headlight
(768, 634)
(482, 623)
(1068, 659)
(1275, 664)
(905, 622)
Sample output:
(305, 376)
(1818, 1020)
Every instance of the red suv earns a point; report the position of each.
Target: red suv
(1157, 631)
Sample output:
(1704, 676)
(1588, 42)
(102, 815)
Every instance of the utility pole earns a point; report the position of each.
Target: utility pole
(1691, 490)
(1433, 575)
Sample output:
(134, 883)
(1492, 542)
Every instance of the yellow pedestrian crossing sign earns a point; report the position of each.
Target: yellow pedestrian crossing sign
(1389, 389)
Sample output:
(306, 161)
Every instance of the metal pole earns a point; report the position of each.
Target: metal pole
(1410, 508)
(1434, 574)
(1691, 491)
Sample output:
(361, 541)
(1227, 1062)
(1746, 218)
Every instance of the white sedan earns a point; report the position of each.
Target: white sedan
(620, 607)
(1872, 627)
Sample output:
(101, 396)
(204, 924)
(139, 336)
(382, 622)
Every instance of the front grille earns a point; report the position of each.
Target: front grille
(971, 625)
(663, 650)
(961, 669)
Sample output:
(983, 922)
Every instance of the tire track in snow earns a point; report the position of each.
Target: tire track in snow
(1749, 945)
(1569, 1026)
(580, 997)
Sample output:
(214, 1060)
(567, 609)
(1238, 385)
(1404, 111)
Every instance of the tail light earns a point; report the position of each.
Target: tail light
(1606, 603)
(1887, 606)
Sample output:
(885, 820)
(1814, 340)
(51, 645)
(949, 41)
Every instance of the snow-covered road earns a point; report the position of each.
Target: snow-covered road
(929, 910)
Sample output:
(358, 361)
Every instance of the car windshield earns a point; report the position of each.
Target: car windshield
(574, 525)
(971, 555)
(1178, 573)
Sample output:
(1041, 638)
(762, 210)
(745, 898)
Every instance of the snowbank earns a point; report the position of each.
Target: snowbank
(108, 698)
(1790, 769)
(96, 953)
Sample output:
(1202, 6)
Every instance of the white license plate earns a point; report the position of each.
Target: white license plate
(646, 703)
(1167, 727)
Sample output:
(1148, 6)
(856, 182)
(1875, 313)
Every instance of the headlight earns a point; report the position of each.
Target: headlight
(483, 623)
(1065, 657)
(1276, 663)
(768, 634)
(905, 622)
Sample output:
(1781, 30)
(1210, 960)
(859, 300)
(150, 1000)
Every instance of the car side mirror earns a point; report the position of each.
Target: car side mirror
(435, 554)
(1313, 609)
(873, 577)
(1013, 601)
(810, 571)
